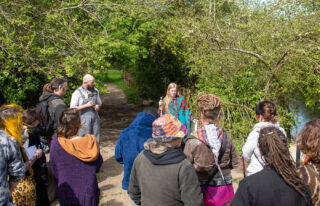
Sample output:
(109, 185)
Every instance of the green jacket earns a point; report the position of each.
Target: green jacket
(172, 184)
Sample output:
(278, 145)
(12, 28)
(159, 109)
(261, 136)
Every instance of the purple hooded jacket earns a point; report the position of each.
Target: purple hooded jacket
(75, 180)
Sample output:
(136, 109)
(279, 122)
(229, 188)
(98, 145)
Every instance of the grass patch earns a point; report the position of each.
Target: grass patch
(236, 179)
(114, 76)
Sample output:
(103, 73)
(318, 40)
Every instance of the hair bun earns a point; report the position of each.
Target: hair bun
(208, 101)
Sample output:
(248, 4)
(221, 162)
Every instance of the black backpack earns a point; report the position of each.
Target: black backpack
(47, 123)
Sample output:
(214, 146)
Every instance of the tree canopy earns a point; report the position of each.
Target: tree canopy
(245, 51)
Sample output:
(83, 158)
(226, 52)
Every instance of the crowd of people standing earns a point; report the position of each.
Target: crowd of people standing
(181, 166)
(166, 160)
(74, 147)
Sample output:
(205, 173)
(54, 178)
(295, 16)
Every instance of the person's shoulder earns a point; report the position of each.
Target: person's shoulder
(77, 91)
(185, 165)
(141, 157)
(6, 141)
(58, 101)
(266, 175)
(54, 144)
(309, 169)
(255, 131)
(124, 133)
(4, 138)
(192, 140)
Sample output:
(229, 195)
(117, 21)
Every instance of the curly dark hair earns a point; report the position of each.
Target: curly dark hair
(267, 110)
(272, 144)
(309, 140)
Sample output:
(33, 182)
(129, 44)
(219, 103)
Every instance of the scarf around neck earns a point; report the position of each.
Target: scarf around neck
(211, 135)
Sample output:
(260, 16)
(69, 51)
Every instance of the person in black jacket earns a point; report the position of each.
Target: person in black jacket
(30, 118)
(278, 183)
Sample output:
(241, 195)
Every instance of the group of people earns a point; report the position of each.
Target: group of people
(73, 134)
(166, 162)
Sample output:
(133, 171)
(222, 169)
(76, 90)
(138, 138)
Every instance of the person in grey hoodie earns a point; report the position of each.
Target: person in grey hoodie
(161, 174)
(266, 114)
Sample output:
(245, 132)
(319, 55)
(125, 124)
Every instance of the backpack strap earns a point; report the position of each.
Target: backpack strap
(224, 145)
(215, 169)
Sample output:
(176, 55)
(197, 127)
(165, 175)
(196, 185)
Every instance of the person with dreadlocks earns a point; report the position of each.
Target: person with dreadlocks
(266, 114)
(177, 106)
(11, 122)
(309, 143)
(278, 183)
(212, 153)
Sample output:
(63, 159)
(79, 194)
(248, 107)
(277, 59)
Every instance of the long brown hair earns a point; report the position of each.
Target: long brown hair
(53, 85)
(168, 98)
(309, 140)
(209, 106)
(272, 144)
(69, 124)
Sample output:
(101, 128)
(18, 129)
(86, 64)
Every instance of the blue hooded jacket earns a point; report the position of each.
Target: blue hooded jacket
(130, 143)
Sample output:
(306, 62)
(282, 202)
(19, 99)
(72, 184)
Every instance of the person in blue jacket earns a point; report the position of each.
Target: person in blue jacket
(131, 140)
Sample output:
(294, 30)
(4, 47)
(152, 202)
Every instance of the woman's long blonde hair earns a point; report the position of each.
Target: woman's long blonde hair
(167, 98)
(11, 122)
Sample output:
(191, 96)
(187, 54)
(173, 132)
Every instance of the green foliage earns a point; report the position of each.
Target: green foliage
(245, 51)
(115, 76)
(41, 40)
(254, 52)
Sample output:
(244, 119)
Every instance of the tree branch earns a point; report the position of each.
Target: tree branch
(250, 53)
(236, 105)
(67, 8)
(280, 64)
(96, 18)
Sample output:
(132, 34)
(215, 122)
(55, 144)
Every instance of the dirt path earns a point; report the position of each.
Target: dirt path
(116, 114)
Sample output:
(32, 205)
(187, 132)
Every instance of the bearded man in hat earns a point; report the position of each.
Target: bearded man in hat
(161, 174)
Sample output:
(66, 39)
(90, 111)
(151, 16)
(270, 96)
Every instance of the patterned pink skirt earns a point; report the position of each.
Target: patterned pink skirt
(217, 196)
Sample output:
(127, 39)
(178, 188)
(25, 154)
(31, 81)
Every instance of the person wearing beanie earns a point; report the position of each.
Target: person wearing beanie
(161, 174)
